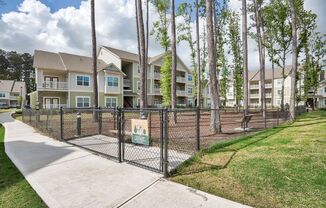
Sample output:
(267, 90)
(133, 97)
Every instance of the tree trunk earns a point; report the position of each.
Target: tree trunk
(146, 52)
(245, 56)
(174, 56)
(94, 56)
(261, 49)
(294, 61)
(198, 57)
(283, 80)
(273, 77)
(215, 122)
(142, 64)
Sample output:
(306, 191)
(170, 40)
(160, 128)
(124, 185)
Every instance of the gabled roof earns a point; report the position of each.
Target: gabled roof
(65, 62)
(47, 60)
(123, 54)
(80, 63)
(11, 85)
(134, 57)
(113, 68)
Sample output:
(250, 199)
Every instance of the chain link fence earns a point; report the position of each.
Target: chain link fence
(157, 139)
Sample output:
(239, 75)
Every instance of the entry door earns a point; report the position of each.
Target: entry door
(55, 81)
(55, 102)
(47, 102)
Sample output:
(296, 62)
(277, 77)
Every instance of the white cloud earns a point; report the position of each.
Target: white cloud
(33, 26)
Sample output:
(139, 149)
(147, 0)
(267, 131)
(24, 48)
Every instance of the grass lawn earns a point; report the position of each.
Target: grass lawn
(14, 189)
(280, 167)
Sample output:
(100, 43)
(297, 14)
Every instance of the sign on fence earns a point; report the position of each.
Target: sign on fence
(139, 133)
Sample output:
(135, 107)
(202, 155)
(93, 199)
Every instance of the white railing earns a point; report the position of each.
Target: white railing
(181, 79)
(54, 85)
(181, 93)
(182, 104)
(13, 97)
(54, 106)
(126, 83)
(157, 75)
(158, 105)
(269, 85)
(254, 86)
(254, 96)
(268, 95)
(157, 91)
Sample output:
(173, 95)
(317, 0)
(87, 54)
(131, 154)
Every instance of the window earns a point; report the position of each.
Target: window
(279, 92)
(279, 82)
(189, 78)
(82, 80)
(111, 102)
(2, 94)
(138, 102)
(189, 90)
(113, 81)
(83, 102)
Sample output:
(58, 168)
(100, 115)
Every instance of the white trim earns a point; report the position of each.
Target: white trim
(115, 97)
(89, 97)
(84, 75)
(43, 103)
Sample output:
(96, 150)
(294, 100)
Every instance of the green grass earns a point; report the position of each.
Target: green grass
(15, 191)
(280, 167)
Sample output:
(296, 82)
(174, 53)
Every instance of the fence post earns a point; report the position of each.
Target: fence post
(122, 134)
(30, 116)
(197, 128)
(61, 123)
(244, 123)
(119, 134)
(165, 140)
(265, 119)
(99, 120)
(161, 138)
(78, 117)
(114, 117)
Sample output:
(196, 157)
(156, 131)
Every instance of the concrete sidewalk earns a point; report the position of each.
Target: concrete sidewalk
(67, 176)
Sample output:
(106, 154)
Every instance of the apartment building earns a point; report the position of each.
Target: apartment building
(273, 89)
(12, 93)
(319, 97)
(128, 63)
(65, 80)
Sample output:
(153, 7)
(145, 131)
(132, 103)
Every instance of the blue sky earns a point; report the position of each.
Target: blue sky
(11, 5)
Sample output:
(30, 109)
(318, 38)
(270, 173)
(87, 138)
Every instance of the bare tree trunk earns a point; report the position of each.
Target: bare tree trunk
(245, 56)
(174, 56)
(294, 61)
(261, 50)
(213, 81)
(147, 48)
(283, 80)
(273, 77)
(198, 57)
(141, 35)
(94, 56)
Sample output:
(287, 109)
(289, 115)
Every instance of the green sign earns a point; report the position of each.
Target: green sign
(139, 133)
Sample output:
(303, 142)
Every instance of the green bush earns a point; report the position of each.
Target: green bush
(19, 111)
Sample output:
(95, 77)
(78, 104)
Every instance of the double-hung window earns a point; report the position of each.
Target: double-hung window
(83, 80)
(83, 102)
(111, 102)
(2, 94)
(190, 90)
(189, 77)
(113, 81)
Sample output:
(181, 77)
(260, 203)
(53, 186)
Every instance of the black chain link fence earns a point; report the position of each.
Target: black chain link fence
(173, 135)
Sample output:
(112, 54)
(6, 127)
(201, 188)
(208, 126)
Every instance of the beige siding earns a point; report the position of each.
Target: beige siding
(109, 57)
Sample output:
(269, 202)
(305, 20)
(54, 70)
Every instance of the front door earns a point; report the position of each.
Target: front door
(51, 103)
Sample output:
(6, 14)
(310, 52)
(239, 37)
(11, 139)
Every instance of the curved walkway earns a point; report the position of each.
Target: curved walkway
(67, 176)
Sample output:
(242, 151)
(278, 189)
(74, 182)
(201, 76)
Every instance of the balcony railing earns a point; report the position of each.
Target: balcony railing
(181, 79)
(157, 75)
(254, 96)
(254, 86)
(268, 95)
(54, 106)
(269, 85)
(54, 85)
(157, 91)
(181, 93)
(13, 97)
(126, 83)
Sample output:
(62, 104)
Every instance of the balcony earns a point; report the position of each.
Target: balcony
(268, 95)
(254, 95)
(157, 75)
(157, 91)
(54, 106)
(13, 97)
(126, 83)
(269, 85)
(54, 85)
(182, 104)
(181, 93)
(255, 86)
(181, 79)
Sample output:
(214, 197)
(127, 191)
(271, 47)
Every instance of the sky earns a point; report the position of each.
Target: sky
(64, 26)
